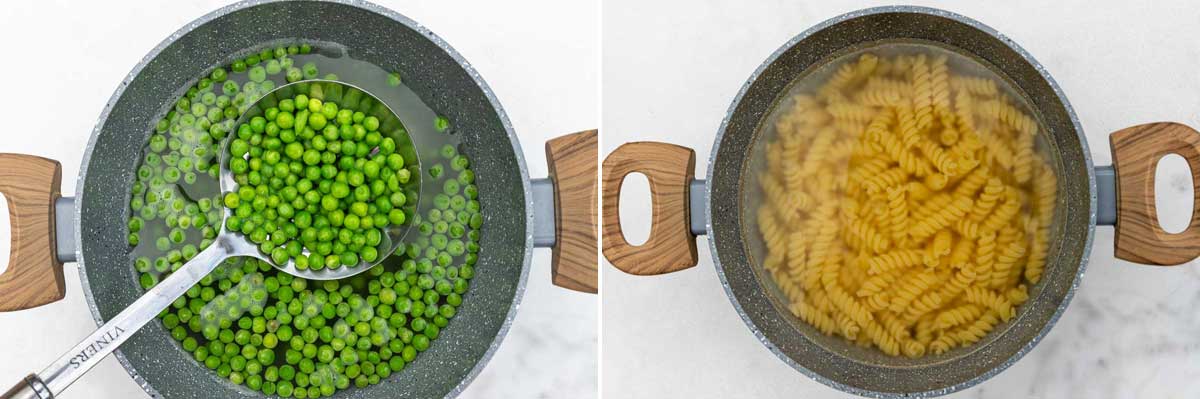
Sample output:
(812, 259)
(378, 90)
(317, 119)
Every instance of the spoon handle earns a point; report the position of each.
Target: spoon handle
(77, 361)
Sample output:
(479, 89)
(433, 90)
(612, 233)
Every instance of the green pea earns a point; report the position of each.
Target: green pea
(147, 281)
(441, 123)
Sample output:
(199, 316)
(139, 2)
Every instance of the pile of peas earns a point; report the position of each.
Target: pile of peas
(317, 176)
(268, 330)
(174, 197)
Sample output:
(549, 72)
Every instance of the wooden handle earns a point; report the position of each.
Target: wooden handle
(572, 160)
(671, 246)
(1136, 151)
(34, 276)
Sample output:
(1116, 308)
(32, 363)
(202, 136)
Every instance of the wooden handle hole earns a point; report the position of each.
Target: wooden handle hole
(636, 217)
(5, 234)
(1173, 193)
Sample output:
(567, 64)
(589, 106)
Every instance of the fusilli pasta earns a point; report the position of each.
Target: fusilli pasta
(904, 205)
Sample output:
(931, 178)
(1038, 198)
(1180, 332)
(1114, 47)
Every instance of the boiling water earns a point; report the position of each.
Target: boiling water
(834, 158)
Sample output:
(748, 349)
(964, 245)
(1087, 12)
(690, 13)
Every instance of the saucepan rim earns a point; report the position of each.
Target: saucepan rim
(477, 79)
(711, 175)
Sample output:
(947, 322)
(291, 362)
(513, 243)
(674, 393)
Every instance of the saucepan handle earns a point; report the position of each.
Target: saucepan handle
(35, 275)
(572, 162)
(1136, 151)
(672, 243)
(30, 387)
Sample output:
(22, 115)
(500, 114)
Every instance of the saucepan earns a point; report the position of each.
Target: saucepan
(1121, 195)
(89, 228)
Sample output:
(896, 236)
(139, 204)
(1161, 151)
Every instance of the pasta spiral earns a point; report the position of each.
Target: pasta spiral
(899, 259)
(897, 213)
(958, 316)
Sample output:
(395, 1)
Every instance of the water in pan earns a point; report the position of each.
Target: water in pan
(900, 197)
(176, 209)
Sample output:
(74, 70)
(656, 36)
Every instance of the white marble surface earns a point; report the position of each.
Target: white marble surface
(670, 70)
(62, 61)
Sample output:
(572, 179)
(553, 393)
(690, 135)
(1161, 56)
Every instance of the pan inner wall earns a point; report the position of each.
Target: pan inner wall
(394, 44)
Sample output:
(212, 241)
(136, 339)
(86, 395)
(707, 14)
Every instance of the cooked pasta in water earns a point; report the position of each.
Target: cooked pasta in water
(905, 199)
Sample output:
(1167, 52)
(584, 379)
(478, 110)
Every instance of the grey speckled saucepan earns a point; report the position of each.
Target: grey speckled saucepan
(519, 213)
(1120, 195)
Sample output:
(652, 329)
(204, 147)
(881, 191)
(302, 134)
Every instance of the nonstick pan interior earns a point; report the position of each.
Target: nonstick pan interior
(832, 360)
(431, 68)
